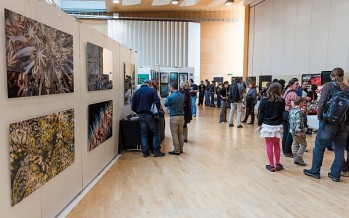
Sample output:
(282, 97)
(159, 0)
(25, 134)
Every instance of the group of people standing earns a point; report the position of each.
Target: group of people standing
(282, 115)
(179, 105)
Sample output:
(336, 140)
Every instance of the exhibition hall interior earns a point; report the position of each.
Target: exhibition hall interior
(174, 108)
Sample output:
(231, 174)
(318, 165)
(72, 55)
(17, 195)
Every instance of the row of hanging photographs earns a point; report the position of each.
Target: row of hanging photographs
(164, 79)
(40, 62)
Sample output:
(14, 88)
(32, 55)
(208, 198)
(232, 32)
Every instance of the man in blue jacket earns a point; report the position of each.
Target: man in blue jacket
(142, 102)
(175, 103)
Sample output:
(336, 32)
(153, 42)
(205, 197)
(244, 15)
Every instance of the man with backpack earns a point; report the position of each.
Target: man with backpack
(333, 115)
(236, 97)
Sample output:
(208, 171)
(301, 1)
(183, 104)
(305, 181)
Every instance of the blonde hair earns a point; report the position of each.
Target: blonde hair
(184, 85)
(274, 93)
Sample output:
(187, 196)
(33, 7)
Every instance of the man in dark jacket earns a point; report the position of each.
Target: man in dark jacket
(142, 102)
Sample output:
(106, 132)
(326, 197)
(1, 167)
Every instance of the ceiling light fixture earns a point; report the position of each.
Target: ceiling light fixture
(116, 1)
(229, 2)
(174, 2)
(116, 15)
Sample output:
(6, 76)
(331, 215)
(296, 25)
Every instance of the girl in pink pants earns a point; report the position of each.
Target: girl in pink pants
(270, 124)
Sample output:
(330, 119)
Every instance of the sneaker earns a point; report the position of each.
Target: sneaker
(270, 168)
(185, 140)
(239, 126)
(345, 174)
(159, 154)
(251, 123)
(194, 115)
(174, 153)
(311, 174)
(332, 177)
(231, 125)
(299, 161)
(244, 121)
(279, 167)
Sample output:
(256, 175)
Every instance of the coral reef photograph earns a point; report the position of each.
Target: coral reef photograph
(39, 58)
(100, 123)
(99, 67)
(173, 77)
(129, 84)
(40, 148)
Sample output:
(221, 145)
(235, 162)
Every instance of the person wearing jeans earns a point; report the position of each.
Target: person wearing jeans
(193, 93)
(236, 97)
(329, 132)
(175, 103)
(142, 101)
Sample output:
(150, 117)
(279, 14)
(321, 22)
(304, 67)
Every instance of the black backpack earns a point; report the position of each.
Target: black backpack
(234, 93)
(337, 107)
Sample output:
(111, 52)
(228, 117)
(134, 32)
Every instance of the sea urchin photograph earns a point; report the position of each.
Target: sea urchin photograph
(100, 123)
(39, 58)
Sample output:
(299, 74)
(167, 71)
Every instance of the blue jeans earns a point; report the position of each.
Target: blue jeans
(147, 122)
(326, 133)
(193, 105)
(287, 138)
(207, 98)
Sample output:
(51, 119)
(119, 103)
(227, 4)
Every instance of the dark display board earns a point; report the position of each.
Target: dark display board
(263, 80)
(164, 91)
(218, 79)
(325, 77)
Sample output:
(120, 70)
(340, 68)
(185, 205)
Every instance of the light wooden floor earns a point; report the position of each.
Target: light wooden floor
(221, 174)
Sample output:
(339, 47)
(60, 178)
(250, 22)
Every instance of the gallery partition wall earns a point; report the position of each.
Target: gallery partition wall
(61, 99)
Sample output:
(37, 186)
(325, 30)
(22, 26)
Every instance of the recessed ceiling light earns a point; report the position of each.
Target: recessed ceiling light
(229, 2)
(116, 1)
(174, 2)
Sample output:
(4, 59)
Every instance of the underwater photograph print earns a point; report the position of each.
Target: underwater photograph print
(99, 67)
(100, 123)
(40, 148)
(39, 58)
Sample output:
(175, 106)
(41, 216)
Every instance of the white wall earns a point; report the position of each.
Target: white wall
(293, 37)
(194, 49)
(164, 43)
(50, 199)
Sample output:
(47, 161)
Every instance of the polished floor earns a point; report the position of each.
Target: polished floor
(221, 174)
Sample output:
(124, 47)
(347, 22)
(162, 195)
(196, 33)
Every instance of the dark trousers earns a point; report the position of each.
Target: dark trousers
(325, 135)
(250, 110)
(147, 122)
(287, 139)
(201, 98)
(212, 99)
(223, 114)
(219, 100)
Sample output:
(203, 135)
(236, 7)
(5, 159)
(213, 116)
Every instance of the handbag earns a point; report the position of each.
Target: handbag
(157, 113)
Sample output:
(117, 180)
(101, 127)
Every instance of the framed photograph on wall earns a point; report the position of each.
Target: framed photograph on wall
(154, 75)
(164, 91)
(99, 67)
(263, 80)
(164, 78)
(39, 58)
(142, 77)
(183, 77)
(129, 82)
(174, 78)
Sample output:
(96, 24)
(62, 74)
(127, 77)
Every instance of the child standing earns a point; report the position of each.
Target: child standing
(270, 124)
(297, 130)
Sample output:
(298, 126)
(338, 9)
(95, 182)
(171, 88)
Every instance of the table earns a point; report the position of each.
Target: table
(130, 134)
(313, 121)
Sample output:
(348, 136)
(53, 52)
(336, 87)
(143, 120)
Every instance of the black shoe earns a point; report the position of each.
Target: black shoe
(174, 153)
(185, 140)
(251, 123)
(231, 125)
(244, 121)
(145, 155)
(270, 168)
(309, 173)
(159, 154)
(333, 179)
(279, 167)
(239, 126)
(330, 148)
(181, 152)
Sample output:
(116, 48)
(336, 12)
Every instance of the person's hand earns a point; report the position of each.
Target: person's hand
(258, 130)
